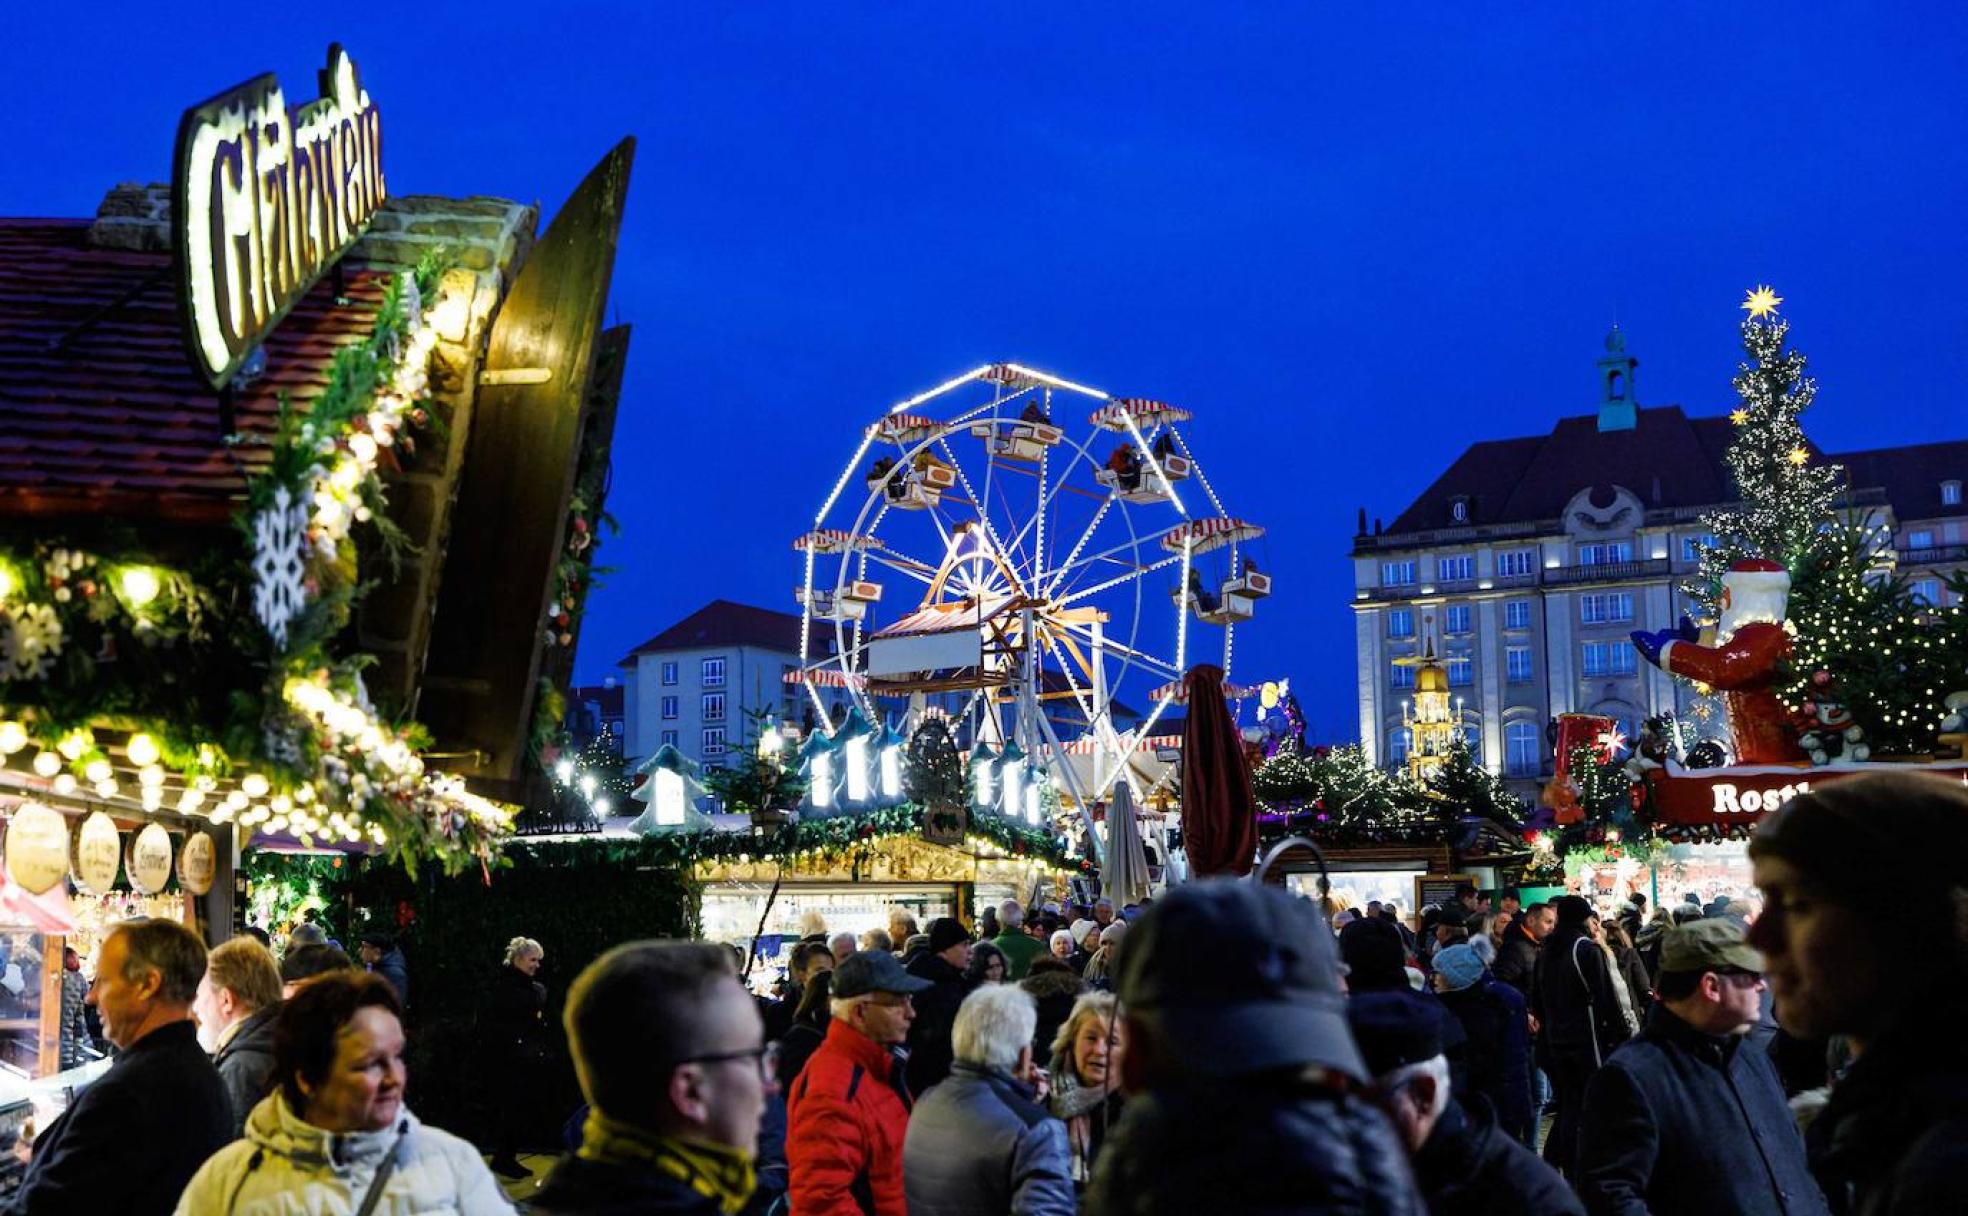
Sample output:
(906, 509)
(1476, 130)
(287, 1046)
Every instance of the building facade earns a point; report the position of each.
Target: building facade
(1529, 561)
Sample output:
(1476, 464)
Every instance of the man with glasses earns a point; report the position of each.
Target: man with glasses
(1688, 1116)
(672, 1059)
(848, 1112)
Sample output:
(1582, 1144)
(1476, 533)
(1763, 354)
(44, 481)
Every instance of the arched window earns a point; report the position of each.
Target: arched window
(1398, 744)
(1459, 510)
(1523, 750)
(1616, 386)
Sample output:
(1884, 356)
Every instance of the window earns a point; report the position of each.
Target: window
(1459, 510)
(714, 743)
(669, 709)
(1927, 591)
(1460, 671)
(1610, 659)
(1920, 540)
(1401, 623)
(1517, 614)
(1515, 563)
(1455, 618)
(1517, 664)
(1605, 553)
(1400, 676)
(1462, 566)
(1397, 574)
(713, 707)
(670, 738)
(1950, 493)
(1606, 607)
(1523, 755)
(1398, 743)
(713, 673)
(669, 674)
(1692, 546)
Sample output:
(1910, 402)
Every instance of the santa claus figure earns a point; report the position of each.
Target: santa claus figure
(1742, 664)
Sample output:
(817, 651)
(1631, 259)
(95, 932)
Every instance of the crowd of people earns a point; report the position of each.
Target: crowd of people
(1225, 1048)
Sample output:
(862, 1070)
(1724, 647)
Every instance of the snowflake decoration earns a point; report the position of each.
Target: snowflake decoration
(30, 640)
(279, 564)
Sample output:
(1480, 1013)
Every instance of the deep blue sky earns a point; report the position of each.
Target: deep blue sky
(1352, 243)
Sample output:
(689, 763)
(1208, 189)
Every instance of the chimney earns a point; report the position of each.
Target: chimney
(1361, 529)
(134, 217)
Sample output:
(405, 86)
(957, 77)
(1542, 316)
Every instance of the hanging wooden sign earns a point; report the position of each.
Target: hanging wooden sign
(149, 863)
(98, 854)
(264, 200)
(37, 848)
(198, 863)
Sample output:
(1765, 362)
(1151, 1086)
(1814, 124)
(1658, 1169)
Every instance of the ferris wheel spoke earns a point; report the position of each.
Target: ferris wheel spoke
(919, 571)
(1161, 666)
(1138, 572)
(983, 506)
(1196, 466)
(1093, 525)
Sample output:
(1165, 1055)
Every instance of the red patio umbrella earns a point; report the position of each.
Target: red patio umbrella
(1219, 811)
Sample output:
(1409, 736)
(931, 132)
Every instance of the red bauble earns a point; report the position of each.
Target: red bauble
(1821, 678)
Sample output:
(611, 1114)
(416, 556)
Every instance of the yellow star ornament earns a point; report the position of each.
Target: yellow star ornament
(1799, 457)
(1739, 417)
(1761, 303)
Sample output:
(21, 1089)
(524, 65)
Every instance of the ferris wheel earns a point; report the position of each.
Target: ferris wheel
(1035, 558)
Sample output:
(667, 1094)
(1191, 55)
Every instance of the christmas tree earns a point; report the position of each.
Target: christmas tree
(759, 779)
(1470, 789)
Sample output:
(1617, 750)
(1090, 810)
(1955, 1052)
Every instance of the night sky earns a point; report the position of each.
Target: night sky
(1351, 243)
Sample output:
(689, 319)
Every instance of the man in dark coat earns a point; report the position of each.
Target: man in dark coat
(942, 963)
(1517, 955)
(383, 956)
(1243, 1072)
(237, 1004)
(669, 1051)
(1498, 1056)
(1465, 1164)
(1861, 932)
(1579, 1020)
(134, 1138)
(1689, 1117)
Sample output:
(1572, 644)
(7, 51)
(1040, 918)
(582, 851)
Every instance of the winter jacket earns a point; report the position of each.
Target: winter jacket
(595, 1188)
(514, 1018)
(979, 1145)
(1054, 993)
(936, 1017)
(1020, 948)
(1470, 1167)
(1894, 1139)
(1639, 985)
(1498, 1054)
(846, 1119)
(286, 1166)
(245, 1064)
(393, 968)
(1255, 1147)
(1572, 994)
(1681, 1121)
(797, 1048)
(77, 1048)
(131, 1140)
(1517, 957)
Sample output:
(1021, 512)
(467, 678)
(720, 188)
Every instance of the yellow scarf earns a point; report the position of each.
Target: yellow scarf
(723, 1174)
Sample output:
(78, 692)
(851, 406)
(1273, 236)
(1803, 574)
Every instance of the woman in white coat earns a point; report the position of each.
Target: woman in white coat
(334, 1138)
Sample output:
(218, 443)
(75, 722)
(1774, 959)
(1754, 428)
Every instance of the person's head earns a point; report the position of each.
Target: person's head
(994, 1029)
(1465, 894)
(901, 925)
(1539, 920)
(307, 962)
(1510, 900)
(665, 1038)
(987, 965)
(813, 925)
(1373, 907)
(1089, 1043)
(808, 960)
(240, 979)
(842, 944)
(1375, 956)
(338, 1052)
(1111, 938)
(146, 977)
(875, 996)
(1616, 935)
(259, 935)
(374, 946)
(1103, 911)
(1710, 978)
(1011, 916)
(1865, 900)
(877, 939)
(1222, 980)
(1085, 931)
(1594, 927)
(1456, 968)
(307, 933)
(524, 955)
(948, 940)
(1500, 922)
(1061, 944)
(1400, 1038)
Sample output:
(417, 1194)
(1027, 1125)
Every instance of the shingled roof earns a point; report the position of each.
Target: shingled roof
(100, 411)
(1911, 476)
(725, 623)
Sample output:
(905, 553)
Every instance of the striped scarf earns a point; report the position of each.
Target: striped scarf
(723, 1174)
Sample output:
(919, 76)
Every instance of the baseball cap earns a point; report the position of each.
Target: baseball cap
(1239, 979)
(867, 971)
(1715, 944)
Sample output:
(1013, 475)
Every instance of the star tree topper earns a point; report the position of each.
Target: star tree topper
(1761, 303)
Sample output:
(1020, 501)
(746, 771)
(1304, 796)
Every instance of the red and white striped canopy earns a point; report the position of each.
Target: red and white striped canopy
(1145, 413)
(835, 540)
(1213, 533)
(1176, 691)
(902, 428)
(1089, 745)
(834, 677)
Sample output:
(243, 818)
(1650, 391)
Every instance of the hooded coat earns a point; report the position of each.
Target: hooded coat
(286, 1166)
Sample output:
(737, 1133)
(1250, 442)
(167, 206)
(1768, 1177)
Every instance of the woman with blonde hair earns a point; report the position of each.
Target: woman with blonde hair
(515, 1025)
(1086, 1071)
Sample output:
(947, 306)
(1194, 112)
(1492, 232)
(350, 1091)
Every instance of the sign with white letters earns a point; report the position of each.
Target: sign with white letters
(264, 200)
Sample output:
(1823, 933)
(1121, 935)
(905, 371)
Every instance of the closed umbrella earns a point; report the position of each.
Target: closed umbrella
(1124, 873)
(1219, 811)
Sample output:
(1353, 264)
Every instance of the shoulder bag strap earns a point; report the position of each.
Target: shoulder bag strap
(383, 1172)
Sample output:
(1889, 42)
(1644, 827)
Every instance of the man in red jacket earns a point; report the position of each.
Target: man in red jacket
(1749, 644)
(848, 1112)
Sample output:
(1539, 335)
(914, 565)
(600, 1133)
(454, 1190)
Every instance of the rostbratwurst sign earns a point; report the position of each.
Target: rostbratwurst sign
(265, 199)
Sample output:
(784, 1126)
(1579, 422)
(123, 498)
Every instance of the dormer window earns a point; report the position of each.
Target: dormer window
(1950, 493)
(1459, 509)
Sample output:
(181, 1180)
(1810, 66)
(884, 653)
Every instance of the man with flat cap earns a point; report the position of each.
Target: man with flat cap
(1688, 1116)
(1243, 1078)
(848, 1111)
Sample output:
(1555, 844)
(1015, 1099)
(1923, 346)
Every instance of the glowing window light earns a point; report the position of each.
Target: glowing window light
(564, 771)
(822, 787)
(857, 769)
(669, 801)
(1014, 790)
(891, 771)
(1032, 798)
(587, 785)
(980, 782)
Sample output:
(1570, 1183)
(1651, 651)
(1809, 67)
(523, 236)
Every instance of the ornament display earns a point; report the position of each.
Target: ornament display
(1743, 663)
(1831, 734)
(98, 854)
(198, 863)
(37, 848)
(149, 863)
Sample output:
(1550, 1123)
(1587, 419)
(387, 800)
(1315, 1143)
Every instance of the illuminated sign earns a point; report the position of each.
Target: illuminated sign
(264, 200)
(1728, 800)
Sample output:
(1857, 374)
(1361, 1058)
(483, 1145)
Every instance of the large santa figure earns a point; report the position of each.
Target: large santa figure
(1742, 664)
